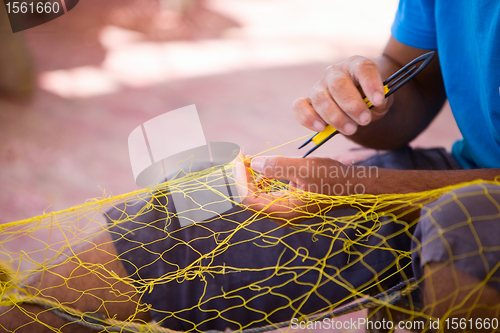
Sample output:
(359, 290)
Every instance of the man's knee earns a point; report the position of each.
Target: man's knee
(467, 205)
(461, 229)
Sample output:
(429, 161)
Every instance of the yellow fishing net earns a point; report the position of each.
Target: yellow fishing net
(67, 268)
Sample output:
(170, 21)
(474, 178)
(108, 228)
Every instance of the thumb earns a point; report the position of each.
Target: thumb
(278, 167)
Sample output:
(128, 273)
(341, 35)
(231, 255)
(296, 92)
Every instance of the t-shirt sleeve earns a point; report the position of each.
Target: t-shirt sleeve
(415, 24)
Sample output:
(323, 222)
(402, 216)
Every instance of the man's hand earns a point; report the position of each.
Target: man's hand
(337, 99)
(293, 204)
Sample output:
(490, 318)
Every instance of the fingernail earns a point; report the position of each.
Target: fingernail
(378, 97)
(318, 126)
(257, 163)
(349, 129)
(365, 118)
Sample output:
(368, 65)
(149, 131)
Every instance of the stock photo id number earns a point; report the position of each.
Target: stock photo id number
(28, 14)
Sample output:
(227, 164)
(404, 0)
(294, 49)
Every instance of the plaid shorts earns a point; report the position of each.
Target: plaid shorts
(269, 278)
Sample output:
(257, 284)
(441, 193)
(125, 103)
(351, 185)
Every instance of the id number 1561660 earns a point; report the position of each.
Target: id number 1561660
(30, 7)
(471, 324)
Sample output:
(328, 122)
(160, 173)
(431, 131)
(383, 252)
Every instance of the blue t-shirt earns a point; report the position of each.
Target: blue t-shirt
(466, 34)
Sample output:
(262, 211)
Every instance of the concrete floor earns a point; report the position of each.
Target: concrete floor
(109, 65)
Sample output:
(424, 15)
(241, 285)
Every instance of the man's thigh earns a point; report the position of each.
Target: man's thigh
(240, 270)
(88, 278)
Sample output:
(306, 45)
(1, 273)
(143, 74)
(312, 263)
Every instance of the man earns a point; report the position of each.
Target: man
(207, 276)
(468, 74)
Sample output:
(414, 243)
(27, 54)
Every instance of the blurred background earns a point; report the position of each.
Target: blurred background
(73, 89)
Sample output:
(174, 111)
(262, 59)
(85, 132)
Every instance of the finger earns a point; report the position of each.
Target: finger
(306, 116)
(274, 205)
(248, 184)
(348, 98)
(330, 112)
(365, 73)
(276, 208)
(239, 158)
(379, 111)
(283, 207)
(278, 167)
(241, 177)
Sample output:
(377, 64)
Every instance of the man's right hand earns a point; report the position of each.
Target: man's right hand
(337, 99)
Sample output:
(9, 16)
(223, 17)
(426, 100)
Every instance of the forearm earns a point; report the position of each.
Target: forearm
(389, 181)
(332, 178)
(410, 181)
